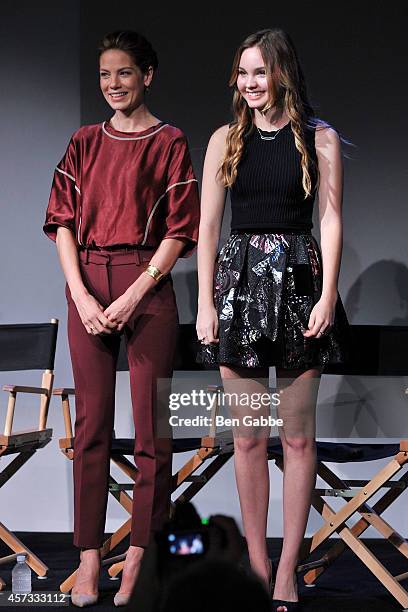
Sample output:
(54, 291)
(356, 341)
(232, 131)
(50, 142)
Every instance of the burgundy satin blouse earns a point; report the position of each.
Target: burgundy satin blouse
(115, 188)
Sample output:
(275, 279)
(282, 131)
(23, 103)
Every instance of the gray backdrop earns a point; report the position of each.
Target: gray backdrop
(354, 64)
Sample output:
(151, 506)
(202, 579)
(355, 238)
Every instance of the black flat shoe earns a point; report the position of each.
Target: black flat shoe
(291, 606)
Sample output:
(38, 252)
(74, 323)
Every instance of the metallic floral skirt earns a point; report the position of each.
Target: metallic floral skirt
(265, 286)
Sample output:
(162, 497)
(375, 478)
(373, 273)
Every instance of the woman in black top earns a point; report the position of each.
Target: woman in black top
(270, 297)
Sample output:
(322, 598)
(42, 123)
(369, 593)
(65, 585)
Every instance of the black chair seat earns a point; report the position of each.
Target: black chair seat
(124, 446)
(336, 452)
(339, 452)
(25, 347)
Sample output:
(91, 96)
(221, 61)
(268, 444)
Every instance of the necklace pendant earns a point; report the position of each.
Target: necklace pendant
(268, 137)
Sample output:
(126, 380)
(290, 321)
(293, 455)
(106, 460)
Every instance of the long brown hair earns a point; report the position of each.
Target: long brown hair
(285, 77)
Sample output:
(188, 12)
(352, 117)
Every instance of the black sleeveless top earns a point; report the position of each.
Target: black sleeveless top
(268, 193)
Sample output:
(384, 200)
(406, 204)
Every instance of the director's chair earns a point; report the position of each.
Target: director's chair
(378, 350)
(210, 453)
(25, 347)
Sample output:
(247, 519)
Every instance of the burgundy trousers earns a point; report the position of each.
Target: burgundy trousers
(150, 340)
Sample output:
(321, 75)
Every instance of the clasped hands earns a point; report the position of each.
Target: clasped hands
(99, 320)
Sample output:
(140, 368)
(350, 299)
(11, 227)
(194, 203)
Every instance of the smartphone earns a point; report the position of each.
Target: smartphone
(188, 543)
(178, 548)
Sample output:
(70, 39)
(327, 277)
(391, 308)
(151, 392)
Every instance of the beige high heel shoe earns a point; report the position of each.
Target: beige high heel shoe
(121, 599)
(82, 600)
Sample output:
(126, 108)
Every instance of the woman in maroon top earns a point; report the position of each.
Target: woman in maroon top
(123, 208)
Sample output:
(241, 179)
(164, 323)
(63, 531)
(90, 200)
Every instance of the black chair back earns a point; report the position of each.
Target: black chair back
(28, 346)
(375, 350)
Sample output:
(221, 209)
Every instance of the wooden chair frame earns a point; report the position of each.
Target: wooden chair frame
(358, 493)
(24, 445)
(219, 448)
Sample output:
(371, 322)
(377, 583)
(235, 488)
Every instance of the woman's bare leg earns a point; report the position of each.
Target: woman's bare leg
(251, 465)
(298, 410)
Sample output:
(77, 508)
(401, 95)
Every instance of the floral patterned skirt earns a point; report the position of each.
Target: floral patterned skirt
(265, 286)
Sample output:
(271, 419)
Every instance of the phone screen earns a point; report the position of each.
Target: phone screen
(185, 543)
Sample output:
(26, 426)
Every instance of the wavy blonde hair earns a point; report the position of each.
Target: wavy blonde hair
(285, 78)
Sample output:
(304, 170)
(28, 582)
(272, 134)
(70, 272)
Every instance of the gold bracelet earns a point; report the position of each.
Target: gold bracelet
(154, 272)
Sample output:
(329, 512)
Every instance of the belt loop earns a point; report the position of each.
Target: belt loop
(86, 255)
(137, 257)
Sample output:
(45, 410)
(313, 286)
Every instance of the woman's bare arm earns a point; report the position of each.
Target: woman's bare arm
(89, 309)
(164, 259)
(68, 255)
(330, 207)
(212, 210)
(328, 151)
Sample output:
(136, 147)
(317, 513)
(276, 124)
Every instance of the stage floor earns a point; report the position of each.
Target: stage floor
(347, 585)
